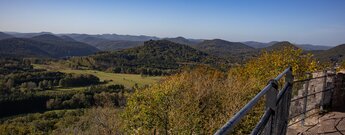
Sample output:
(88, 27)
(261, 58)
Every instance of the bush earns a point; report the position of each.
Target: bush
(75, 80)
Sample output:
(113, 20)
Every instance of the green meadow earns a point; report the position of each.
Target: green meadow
(128, 80)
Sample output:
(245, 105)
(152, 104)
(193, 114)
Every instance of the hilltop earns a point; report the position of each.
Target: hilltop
(220, 47)
(280, 45)
(182, 40)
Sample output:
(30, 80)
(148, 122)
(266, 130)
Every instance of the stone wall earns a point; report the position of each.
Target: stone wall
(338, 100)
(311, 96)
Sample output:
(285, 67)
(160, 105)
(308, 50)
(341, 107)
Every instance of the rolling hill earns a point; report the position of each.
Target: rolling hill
(110, 37)
(18, 47)
(44, 45)
(160, 54)
(280, 45)
(309, 47)
(27, 35)
(67, 38)
(306, 47)
(117, 45)
(110, 42)
(92, 40)
(334, 54)
(5, 36)
(182, 40)
(255, 44)
(234, 51)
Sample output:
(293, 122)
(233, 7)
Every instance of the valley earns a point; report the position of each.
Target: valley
(128, 80)
(70, 79)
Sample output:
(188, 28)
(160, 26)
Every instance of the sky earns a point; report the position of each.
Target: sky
(320, 22)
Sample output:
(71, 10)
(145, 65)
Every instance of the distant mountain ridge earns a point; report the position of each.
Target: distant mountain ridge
(280, 45)
(236, 51)
(259, 44)
(44, 45)
(64, 45)
(20, 47)
(27, 35)
(99, 39)
(81, 37)
(335, 54)
(5, 36)
(307, 47)
(182, 40)
(313, 47)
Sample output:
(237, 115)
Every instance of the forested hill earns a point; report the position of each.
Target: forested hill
(4, 36)
(44, 46)
(19, 47)
(280, 45)
(182, 40)
(220, 47)
(335, 54)
(160, 55)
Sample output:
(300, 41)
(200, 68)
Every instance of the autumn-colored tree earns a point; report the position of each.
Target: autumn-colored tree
(270, 63)
(200, 101)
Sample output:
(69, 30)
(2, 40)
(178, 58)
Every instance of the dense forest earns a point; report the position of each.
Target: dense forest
(159, 57)
(24, 89)
(44, 46)
(192, 101)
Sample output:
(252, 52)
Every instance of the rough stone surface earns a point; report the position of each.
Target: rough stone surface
(319, 94)
(332, 123)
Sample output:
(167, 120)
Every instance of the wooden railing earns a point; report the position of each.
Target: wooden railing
(275, 118)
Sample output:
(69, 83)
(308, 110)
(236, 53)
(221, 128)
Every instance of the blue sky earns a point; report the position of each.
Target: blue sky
(299, 21)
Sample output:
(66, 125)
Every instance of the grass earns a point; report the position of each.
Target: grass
(128, 80)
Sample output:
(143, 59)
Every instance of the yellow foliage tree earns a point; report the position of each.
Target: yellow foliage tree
(201, 100)
(270, 63)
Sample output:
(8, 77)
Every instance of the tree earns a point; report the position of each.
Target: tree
(54, 103)
(62, 82)
(10, 83)
(31, 85)
(50, 85)
(200, 100)
(55, 83)
(24, 86)
(271, 63)
(41, 86)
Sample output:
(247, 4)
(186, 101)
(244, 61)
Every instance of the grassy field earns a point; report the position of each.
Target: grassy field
(128, 80)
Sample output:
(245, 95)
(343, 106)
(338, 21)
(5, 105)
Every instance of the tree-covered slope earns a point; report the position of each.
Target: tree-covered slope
(220, 47)
(280, 45)
(117, 45)
(182, 40)
(18, 47)
(62, 48)
(334, 54)
(44, 45)
(4, 36)
(160, 54)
